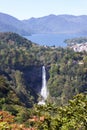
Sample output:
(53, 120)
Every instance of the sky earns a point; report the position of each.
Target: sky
(25, 9)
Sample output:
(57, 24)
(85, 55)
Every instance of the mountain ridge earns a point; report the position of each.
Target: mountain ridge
(58, 24)
(47, 24)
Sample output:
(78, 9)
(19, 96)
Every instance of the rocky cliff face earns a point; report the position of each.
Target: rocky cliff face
(33, 77)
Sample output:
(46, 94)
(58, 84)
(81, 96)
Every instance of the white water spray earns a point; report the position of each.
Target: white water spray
(44, 91)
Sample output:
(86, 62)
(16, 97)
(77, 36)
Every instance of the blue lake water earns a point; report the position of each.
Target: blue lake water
(52, 39)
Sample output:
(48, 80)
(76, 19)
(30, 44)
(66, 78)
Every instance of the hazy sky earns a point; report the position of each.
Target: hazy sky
(24, 9)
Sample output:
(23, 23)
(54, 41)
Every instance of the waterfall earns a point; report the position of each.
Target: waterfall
(44, 91)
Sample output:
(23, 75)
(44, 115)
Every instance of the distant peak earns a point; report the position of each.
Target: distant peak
(52, 15)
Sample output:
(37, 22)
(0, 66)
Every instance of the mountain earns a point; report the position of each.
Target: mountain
(47, 24)
(11, 24)
(58, 24)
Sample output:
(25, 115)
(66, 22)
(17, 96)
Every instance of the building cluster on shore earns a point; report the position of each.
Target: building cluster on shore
(79, 47)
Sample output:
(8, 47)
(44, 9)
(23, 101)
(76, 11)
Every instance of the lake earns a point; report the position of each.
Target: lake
(52, 39)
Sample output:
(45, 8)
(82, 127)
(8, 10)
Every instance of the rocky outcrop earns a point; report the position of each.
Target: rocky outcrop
(33, 77)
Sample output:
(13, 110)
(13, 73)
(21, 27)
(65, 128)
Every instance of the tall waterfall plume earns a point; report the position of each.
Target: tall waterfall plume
(44, 91)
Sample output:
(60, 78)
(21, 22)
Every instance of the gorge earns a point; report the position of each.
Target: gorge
(21, 64)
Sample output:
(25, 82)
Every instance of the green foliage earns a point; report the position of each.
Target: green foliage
(67, 77)
(9, 101)
(70, 117)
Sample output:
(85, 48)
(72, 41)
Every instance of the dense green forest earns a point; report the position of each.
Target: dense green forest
(21, 64)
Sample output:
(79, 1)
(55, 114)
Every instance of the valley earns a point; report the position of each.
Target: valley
(21, 63)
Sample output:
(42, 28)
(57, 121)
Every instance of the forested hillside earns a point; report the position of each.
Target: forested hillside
(21, 64)
(80, 40)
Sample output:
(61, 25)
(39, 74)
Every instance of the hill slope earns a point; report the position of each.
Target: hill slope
(11, 24)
